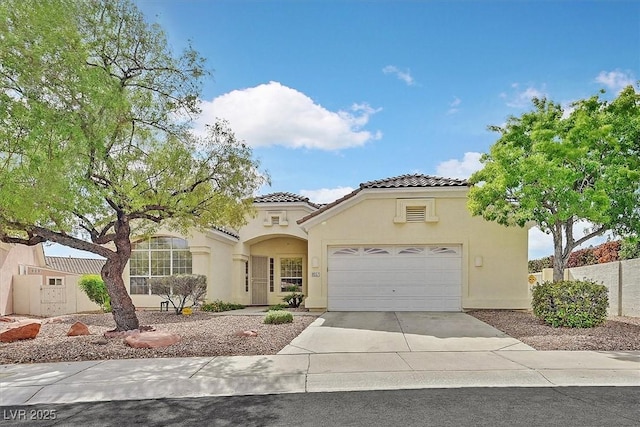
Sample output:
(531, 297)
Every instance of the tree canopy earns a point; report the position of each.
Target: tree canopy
(556, 167)
(95, 144)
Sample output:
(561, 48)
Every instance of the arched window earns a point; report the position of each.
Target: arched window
(157, 257)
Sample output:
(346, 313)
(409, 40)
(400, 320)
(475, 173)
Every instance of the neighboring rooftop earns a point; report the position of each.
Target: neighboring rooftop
(402, 181)
(75, 265)
(284, 198)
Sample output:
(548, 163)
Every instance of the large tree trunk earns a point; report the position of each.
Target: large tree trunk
(123, 310)
(558, 263)
(559, 253)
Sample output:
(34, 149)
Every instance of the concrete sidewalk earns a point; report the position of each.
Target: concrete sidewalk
(338, 352)
(135, 379)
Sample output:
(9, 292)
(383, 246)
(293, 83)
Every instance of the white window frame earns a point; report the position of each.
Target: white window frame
(149, 251)
(55, 278)
(280, 277)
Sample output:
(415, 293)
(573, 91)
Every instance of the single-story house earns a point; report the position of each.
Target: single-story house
(402, 243)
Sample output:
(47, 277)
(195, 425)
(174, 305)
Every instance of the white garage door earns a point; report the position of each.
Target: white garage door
(395, 278)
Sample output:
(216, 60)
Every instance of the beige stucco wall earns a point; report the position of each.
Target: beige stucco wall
(368, 218)
(12, 256)
(28, 295)
(259, 237)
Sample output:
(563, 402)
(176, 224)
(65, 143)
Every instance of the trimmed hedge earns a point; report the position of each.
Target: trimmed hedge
(574, 304)
(275, 317)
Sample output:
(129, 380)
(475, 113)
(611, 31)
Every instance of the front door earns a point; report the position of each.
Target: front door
(259, 279)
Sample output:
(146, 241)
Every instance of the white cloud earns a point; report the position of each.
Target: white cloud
(326, 195)
(274, 114)
(521, 98)
(405, 76)
(455, 168)
(453, 105)
(615, 80)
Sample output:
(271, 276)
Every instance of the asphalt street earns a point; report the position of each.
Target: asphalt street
(549, 406)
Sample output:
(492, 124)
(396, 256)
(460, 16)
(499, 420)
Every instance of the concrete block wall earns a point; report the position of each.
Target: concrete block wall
(622, 278)
(630, 287)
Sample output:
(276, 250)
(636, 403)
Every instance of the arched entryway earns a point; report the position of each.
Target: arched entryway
(276, 266)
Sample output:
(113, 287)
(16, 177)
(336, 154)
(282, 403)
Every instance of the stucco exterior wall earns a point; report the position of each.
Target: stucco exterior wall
(278, 248)
(259, 226)
(261, 237)
(11, 257)
(368, 218)
(29, 298)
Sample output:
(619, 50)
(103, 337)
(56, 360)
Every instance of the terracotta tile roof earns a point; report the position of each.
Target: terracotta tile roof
(415, 180)
(75, 265)
(284, 198)
(402, 181)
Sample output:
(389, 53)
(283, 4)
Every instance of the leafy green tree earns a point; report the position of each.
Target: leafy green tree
(94, 287)
(556, 167)
(95, 144)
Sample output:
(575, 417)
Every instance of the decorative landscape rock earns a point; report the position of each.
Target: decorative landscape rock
(78, 328)
(152, 339)
(6, 319)
(24, 330)
(249, 333)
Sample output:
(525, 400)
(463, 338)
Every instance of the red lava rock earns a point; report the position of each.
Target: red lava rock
(24, 330)
(152, 339)
(250, 333)
(78, 328)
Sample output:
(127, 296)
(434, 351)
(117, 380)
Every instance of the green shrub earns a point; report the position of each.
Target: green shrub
(96, 290)
(575, 304)
(630, 248)
(278, 316)
(536, 265)
(220, 306)
(277, 307)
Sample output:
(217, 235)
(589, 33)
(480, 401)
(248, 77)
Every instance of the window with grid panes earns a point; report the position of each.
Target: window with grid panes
(290, 273)
(157, 257)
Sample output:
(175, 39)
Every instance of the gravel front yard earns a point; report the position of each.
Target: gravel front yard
(203, 334)
(208, 334)
(616, 334)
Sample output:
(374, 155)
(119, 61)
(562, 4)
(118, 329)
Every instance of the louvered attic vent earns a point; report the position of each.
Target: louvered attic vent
(416, 213)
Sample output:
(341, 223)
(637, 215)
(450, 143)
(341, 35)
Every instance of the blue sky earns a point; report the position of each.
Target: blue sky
(334, 93)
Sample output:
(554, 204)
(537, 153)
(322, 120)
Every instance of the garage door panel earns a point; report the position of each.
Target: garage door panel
(385, 278)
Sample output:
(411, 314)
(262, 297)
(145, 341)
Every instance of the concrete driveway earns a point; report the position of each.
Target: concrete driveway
(385, 332)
